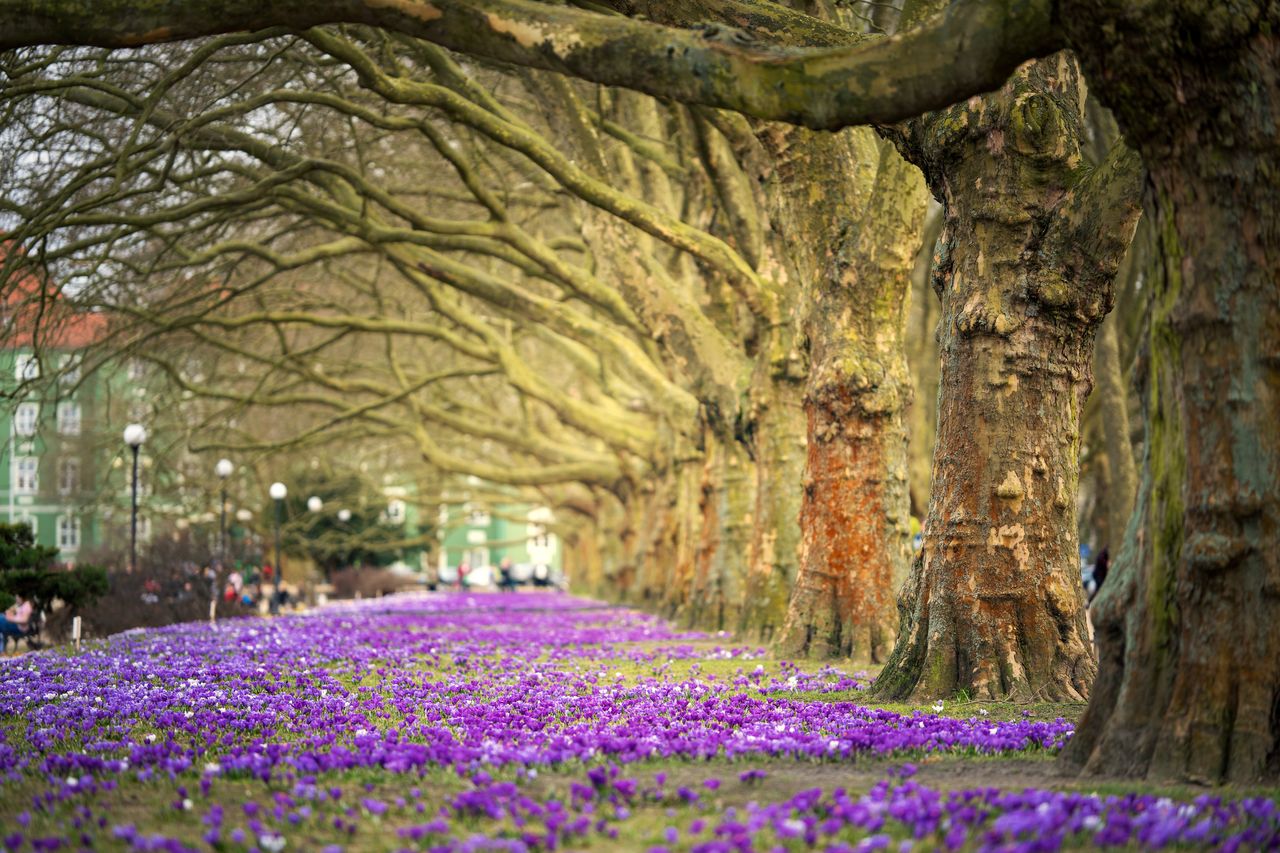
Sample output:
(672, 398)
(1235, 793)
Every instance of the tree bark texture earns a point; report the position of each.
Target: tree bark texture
(1113, 409)
(855, 516)
(1189, 622)
(860, 214)
(778, 445)
(922, 343)
(677, 561)
(725, 503)
(993, 607)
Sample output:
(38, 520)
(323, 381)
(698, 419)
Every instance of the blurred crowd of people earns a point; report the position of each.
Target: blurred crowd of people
(242, 587)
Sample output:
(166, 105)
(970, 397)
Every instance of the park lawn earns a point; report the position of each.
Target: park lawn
(527, 722)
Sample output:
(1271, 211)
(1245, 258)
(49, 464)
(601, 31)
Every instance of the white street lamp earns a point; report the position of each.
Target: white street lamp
(344, 515)
(224, 469)
(279, 491)
(315, 504)
(134, 436)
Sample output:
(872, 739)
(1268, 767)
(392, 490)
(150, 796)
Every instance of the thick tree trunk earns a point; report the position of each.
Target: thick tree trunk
(679, 565)
(725, 503)
(993, 607)
(854, 521)
(615, 532)
(1113, 409)
(1189, 685)
(922, 355)
(655, 544)
(778, 444)
(1189, 672)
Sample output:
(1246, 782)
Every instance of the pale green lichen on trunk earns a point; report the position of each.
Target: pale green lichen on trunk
(1166, 460)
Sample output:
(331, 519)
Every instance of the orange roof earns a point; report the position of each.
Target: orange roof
(36, 313)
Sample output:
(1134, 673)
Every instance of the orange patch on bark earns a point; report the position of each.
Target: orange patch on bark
(845, 569)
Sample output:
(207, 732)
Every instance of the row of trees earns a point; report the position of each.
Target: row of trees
(682, 320)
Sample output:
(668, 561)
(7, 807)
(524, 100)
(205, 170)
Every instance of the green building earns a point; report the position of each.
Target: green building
(484, 534)
(53, 448)
(405, 517)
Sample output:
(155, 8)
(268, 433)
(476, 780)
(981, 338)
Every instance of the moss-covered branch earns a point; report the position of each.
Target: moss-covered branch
(967, 51)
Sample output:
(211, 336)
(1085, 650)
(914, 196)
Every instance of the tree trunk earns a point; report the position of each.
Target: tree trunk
(1189, 644)
(854, 520)
(818, 185)
(1189, 686)
(726, 499)
(994, 607)
(922, 342)
(654, 545)
(679, 565)
(774, 433)
(1113, 409)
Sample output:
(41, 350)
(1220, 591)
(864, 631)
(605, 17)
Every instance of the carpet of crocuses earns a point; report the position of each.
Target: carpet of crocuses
(521, 721)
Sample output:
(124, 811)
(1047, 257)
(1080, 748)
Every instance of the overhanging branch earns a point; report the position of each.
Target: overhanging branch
(969, 50)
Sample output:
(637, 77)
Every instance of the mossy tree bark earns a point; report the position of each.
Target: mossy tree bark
(726, 496)
(993, 606)
(922, 355)
(1189, 675)
(854, 521)
(777, 442)
(1113, 409)
(860, 207)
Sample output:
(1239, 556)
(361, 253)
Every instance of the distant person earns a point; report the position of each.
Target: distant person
(16, 619)
(464, 569)
(1100, 572)
(506, 580)
(542, 575)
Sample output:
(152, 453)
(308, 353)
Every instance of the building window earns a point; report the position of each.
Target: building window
(68, 533)
(24, 421)
(26, 368)
(69, 418)
(26, 475)
(396, 512)
(68, 475)
(477, 516)
(137, 370)
(70, 370)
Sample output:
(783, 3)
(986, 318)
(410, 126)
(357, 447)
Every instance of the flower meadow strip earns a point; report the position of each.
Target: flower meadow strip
(449, 691)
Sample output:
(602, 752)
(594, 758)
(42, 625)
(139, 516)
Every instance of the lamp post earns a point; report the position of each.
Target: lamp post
(243, 516)
(134, 436)
(278, 493)
(314, 505)
(223, 469)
